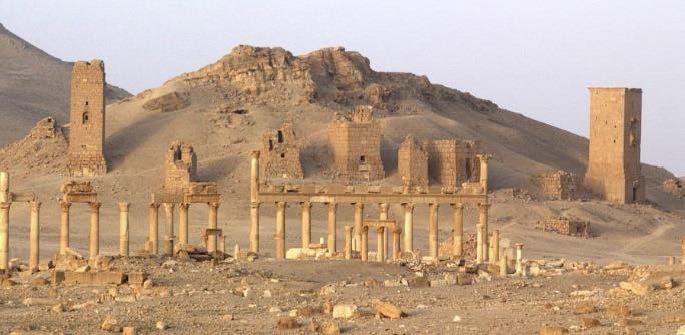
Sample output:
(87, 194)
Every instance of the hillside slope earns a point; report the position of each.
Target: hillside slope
(33, 85)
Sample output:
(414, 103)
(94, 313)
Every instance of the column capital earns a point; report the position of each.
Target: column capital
(64, 205)
(484, 157)
(484, 206)
(254, 205)
(306, 204)
(383, 206)
(409, 207)
(154, 205)
(365, 229)
(519, 245)
(35, 205)
(214, 205)
(348, 229)
(397, 230)
(94, 205)
(458, 205)
(332, 206)
(5, 205)
(281, 204)
(124, 206)
(435, 205)
(254, 154)
(359, 205)
(183, 205)
(380, 230)
(169, 205)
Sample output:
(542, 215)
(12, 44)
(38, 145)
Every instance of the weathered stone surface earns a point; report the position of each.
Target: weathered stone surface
(553, 330)
(110, 324)
(93, 278)
(585, 307)
(344, 311)
(287, 322)
(637, 288)
(618, 311)
(386, 309)
(587, 323)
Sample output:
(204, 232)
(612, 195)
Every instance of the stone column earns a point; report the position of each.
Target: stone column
(365, 244)
(409, 227)
(212, 223)
(64, 227)
(4, 187)
(433, 232)
(254, 176)
(380, 247)
(169, 238)
(483, 221)
(4, 236)
(183, 224)
(503, 265)
(280, 230)
(358, 222)
(479, 244)
(519, 258)
(682, 247)
(123, 228)
(332, 208)
(348, 242)
(153, 228)
(306, 224)
(34, 237)
(396, 236)
(94, 237)
(494, 247)
(457, 230)
(384, 216)
(254, 227)
(483, 158)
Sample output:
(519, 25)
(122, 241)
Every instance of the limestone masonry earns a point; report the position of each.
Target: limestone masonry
(453, 162)
(180, 163)
(558, 185)
(281, 155)
(87, 115)
(412, 163)
(356, 145)
(614, 170)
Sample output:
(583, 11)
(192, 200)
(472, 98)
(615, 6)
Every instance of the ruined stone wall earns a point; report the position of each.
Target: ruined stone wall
(559, 185)
(280, 156)
(412, 163)
(614, 170)
(453, 162)
(87, 119)
(356, 145)
(565, 226)
(181, 166)
(675, 187)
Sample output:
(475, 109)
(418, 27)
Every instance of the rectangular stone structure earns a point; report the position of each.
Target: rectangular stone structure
(453, 162)
(614, 171)
(412, 162)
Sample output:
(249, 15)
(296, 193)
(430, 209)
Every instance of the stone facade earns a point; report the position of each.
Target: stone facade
(181, 166)
(87, 125)
(566, 226)
(356, 145)
(280, 156)
(558, 185)
(453, 162)
(412, 163)
(614, 170)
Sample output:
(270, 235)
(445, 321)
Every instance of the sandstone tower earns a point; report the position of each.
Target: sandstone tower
(180, 164)
(453, 162)
(614, 170)
(412, 162)
(356, 145)
(280, 156)
(87, 120)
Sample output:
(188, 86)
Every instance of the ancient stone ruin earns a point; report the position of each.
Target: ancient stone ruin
(565, 225)
(675, 187)
(180, 164)
(614, 171)
(281, 154)
(412, 163)
(558, 185)
(87, 115)
(355, 142)
(453, 162)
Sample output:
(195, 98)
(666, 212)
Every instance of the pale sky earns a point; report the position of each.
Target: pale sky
(532, 57)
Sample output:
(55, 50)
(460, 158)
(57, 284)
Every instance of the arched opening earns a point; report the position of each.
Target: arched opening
(84, 118)
(280, 136)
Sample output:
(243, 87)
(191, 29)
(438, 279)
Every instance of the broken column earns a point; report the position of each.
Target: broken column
(94, 235)
(433, 232)
(380, 247)
(153, 228)
(483, 158)
(457, 230)
(503, 265)
(348, 242)
(483, 221)
(396, 236)
(280, 230)
(254, 205)
(408, 227)
(169, 237)
(494, 247)
(384, 216)
(212, 223)
(34, 237)
(183, 224)
(64, 227)
(358, 221)
(519, 259)
(306, 224)
(479, 244)
(365, 244)
(4, 187)
(332, 208)
(123, 228)
(4, 236)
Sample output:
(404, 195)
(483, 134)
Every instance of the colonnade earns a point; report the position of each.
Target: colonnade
(169, 245)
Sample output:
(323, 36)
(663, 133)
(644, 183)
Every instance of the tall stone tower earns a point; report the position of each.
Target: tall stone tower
(87, 120)
(614, 170)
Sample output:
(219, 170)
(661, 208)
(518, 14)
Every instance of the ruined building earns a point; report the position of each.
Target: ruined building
(180, 164)
(614, 170)
(453, 162)
(87, 115)
(280, 156)
(356, 145)
(412, 163)
(558, 185)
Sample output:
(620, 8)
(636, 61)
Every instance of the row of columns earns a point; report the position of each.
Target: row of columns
(170, 238)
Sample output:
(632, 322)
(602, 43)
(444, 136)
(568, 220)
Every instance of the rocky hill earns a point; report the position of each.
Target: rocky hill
(33, 85)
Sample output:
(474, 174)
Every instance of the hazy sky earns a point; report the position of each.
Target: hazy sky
(531, 57)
